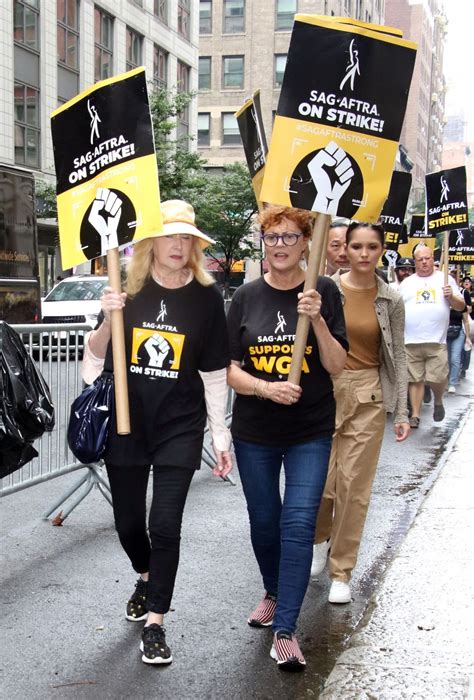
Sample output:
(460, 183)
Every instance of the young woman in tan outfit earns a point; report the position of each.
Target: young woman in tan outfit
(373, 382)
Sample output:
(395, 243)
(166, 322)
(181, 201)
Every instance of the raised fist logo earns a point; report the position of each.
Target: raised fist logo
(104, 216)
(391, 257)
(158, 349)
(331, 171)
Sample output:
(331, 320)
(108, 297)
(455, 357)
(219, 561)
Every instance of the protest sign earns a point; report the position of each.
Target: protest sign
(446, 200)
(336, 132)
(418, 228)
(393, 212)
(252, 133)
(394, 31)
(461, 246)
(107, 178)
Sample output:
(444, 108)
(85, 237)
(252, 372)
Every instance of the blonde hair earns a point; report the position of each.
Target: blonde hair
(141, 265)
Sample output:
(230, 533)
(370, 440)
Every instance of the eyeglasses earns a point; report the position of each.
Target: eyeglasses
(271, 239)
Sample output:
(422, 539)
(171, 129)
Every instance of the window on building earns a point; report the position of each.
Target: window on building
(230, 130)
(160, 9)
(285, 12)
(68, 33)
(134, 43)
(139, 3)
(26, 23)
(233, 72)
(204, 129)
(160, 66)
(205, 17)
(103, 44)
(204, 79)
(234, 16)
(184, 15)
(183, 86)
(280, 63)
(27, 125)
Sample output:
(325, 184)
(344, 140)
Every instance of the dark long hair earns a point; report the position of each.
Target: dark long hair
(378, 228)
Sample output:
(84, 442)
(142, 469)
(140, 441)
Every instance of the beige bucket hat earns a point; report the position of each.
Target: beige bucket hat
(179, 217)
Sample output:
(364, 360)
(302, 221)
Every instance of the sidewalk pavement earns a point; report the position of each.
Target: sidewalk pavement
(415, 640)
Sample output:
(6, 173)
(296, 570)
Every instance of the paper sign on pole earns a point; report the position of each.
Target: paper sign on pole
(252, 133)
(339, 118)
(446, 200)
(107, 177)
(418, 227)
(393, 215)
(461, 246)
(417, 235)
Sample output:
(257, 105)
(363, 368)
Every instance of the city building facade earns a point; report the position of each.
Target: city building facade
(243, 45)
(424, 22)
(50, 50)
(458, 152)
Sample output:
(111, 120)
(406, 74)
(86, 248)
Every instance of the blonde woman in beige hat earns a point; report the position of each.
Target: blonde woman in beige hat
(177, 354)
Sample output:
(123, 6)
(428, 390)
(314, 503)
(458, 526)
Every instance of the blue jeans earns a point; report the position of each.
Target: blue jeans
(282, 533)
(455, 349)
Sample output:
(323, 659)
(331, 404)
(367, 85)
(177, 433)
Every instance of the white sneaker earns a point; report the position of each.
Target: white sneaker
(340, 592)
(451, 389)
(320, 556)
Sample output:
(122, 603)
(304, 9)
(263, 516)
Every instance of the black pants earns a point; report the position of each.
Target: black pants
(159, 553)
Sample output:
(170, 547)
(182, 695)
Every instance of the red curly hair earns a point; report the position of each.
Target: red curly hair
(274, 215)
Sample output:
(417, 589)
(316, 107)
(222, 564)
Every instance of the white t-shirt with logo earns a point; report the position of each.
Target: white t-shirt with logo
(426, 308)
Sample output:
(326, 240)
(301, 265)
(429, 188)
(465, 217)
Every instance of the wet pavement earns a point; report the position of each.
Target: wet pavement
(64, 590)
(415, 640)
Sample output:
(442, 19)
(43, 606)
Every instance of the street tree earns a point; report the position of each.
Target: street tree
(180, 170)
(225, 209)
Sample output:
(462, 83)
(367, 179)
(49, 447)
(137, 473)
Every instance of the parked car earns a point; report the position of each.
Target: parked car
(73, 300)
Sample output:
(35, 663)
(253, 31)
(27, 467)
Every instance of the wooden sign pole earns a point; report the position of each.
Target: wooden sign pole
(318, 249)
(322, 266)
(118, 348)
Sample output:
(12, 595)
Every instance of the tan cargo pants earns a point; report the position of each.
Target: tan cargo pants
(360, 422)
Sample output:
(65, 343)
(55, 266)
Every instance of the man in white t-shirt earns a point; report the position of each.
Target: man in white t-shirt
(427, 303)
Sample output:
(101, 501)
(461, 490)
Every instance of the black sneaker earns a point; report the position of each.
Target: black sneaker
(136, 606)
(154, 647)
(438, 412)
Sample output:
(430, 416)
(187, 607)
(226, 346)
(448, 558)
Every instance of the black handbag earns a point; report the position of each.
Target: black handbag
(453, 332)
(90, 418)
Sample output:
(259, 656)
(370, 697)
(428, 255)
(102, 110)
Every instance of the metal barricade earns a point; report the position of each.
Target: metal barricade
(57, 350)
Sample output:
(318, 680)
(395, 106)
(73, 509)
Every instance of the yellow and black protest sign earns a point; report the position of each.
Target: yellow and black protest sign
(107, 177)
(252, 133)
(461, 246)
(339, 118)
(393, 215)
(446, 200)
(394, 31)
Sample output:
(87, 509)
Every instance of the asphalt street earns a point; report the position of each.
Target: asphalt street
(64, 589)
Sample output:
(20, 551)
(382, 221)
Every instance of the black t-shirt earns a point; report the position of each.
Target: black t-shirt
(262, 324)
(170, 334)
(455, 317)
